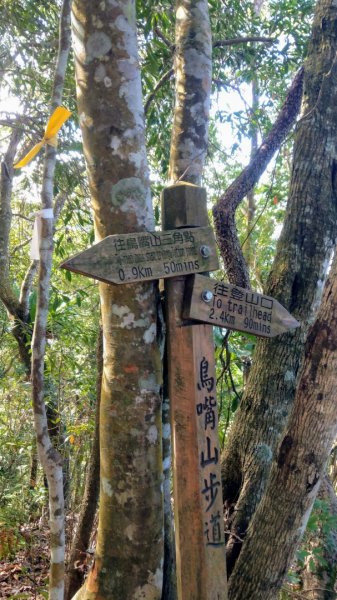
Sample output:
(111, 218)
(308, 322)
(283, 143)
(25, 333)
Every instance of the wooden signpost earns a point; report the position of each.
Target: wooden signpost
(198, 510)
(185, 247)
(132, 257)
(232, 307)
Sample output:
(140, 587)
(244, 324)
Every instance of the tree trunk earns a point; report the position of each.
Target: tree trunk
(129, 554)
(18, 308)
(298, 468)
(50, 458)
(296, 280)
(189, 141)
(7, 293)
(193, 73)
(33, 465)
(86, 518)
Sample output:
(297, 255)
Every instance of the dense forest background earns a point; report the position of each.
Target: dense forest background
(258, 48)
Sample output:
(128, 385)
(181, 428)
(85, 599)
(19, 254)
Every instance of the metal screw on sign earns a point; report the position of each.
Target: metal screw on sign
(205, 251)
(207, 296)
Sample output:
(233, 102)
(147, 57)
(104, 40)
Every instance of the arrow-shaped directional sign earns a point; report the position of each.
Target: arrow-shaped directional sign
(132, 257)
(225, 305)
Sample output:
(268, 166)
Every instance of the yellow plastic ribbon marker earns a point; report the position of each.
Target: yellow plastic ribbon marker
(59, 116)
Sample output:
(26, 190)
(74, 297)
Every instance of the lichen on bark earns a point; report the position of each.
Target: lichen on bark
(298, 466)
(296, 280)
(129, 553)
(193, 72)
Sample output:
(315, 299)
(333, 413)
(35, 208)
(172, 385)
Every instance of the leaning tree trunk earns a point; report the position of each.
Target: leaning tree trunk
(296, 280)
(80, 542)
(299, 464)
(129, 554)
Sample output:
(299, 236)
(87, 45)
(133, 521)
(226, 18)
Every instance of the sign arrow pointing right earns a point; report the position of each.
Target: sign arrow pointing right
(232, 307)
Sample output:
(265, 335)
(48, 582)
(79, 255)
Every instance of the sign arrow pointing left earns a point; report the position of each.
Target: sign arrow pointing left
(132, 257)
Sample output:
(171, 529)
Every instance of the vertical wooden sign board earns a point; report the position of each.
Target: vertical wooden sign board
(200, 551)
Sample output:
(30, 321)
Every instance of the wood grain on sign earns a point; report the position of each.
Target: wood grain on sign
(232, 307)
(198, 512)
(206, 413)
(132, 257)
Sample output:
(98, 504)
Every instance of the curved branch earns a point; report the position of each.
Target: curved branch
(164, 39)
(224, 210)
(157, 87)
(243, 40)
(26, 288)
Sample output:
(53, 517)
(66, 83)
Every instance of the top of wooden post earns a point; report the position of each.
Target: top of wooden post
(184, 205)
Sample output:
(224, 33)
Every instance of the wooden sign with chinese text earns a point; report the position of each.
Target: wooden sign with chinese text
(198, 511)
(132, 257)
(232, 307)
(206, 413)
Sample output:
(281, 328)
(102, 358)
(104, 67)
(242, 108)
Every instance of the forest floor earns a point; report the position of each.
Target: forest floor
(25, 555)
(25, 562)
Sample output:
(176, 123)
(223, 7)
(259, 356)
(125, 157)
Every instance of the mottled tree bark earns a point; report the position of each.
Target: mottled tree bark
(193, 74)
(49, 457)
(296, 280)
(129, 554)
(34, 463)
(298, 467)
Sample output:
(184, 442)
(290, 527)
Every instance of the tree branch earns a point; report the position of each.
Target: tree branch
(243, 40)
(23, 217)
(26, 288)
(58, 205)
(224, 210)
(19, 246)
(5, 371)
(164, 39)
(157, 87)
